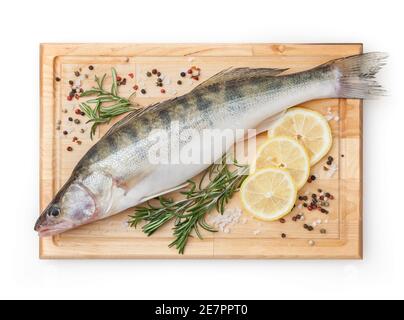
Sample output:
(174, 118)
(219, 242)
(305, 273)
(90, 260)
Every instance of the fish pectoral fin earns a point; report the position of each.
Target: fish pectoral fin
(165, 192)
(268, 123)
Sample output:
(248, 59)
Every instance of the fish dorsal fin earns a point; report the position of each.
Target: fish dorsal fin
(234, 74)
(133, 115)
(125, 120)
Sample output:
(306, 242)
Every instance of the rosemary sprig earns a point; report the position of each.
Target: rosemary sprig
(96, 110)
(223, 181)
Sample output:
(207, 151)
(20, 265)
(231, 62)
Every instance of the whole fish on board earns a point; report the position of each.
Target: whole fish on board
(117, 173)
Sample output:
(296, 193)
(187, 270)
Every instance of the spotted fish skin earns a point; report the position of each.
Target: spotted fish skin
(116, 173)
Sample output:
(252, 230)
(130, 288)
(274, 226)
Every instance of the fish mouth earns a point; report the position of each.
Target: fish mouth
(48, 231)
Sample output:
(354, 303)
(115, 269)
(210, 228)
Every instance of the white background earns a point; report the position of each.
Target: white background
(24, 24)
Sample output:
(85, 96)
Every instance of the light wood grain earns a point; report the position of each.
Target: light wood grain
(111, 238)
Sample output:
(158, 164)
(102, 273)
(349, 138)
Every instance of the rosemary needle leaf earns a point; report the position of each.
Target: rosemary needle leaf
(114, 86)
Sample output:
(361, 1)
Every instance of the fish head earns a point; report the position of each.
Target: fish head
(73, 206)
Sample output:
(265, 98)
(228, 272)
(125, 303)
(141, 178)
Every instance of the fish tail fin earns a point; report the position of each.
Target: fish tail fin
(356, 75)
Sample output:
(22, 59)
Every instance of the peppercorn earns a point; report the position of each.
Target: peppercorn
(305, 205)
(148, 74)
(79, 142)
(76, 121)
(179, 82)
(323, 231)
(301, 198)
(306, 226)
(158, 74)
(154, 71)
(298, 217)
(195, 78)
(69, 149)
(135, 87)
(82, 130)
(159, 84)
(294, 219)
(319, 190)
(69, 98)
(183, 74)
(327, 194)
(189, 71)
(77, 111)
(283, 235)
(309, 180)
(65, 133)
(143, 91)
(123, 82)
(329, 162)
(305, 198)
(71, 82)
(82, 113)
(342, 155)
(330, 158)
(77, 74)
(75, 139)
(131, 75)
(313, 177)
(314, 196)
(321, 197)
(163, 91)
(57, 79)
(70, 119)
(282, 220)
(159, 80)
(310, 228)
(91, 67)
(324, 211)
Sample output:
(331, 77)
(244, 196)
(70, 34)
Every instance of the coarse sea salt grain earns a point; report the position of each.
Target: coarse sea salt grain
(190, 59)
(229, 217)
(300, 206)
(332, 170)
(256, 232)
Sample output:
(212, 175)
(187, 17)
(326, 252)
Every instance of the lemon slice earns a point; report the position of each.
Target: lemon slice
(287, 153)
(269, 194)
(309, 127)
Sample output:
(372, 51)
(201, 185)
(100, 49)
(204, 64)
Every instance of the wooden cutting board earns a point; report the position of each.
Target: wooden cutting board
(247, 239)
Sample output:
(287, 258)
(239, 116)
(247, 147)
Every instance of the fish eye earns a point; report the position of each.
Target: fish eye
(54, 212)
